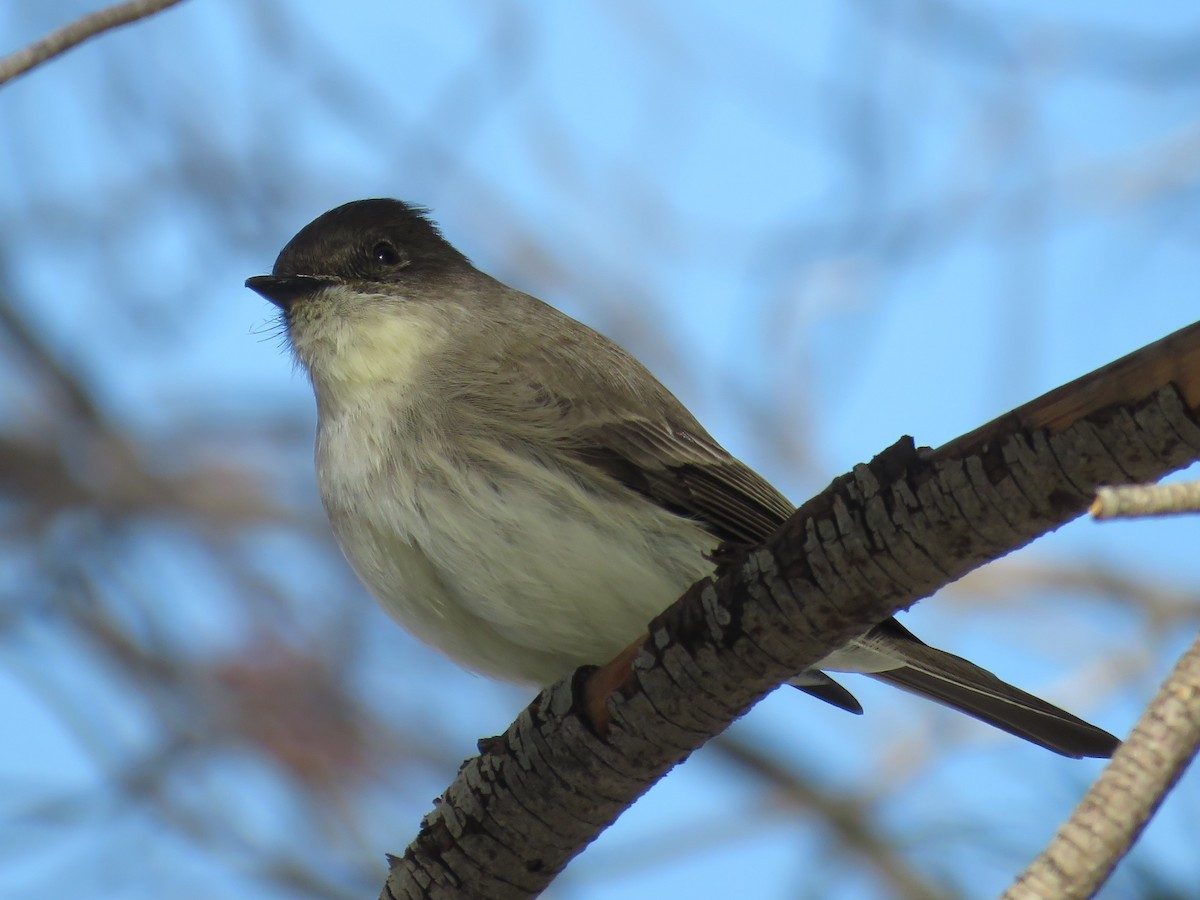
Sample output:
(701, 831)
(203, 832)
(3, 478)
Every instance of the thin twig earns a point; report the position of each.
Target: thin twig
(1113, 813)
(76, 33)
(1130, 500)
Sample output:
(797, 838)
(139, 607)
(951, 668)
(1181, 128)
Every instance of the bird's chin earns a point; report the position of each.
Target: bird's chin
(361, 352)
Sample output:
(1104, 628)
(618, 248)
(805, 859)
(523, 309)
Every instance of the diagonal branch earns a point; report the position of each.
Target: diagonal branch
(74, 34)
(874, 542)
(1117, 807)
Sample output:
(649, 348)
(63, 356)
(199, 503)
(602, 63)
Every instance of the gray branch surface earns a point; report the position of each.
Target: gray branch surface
(874, 542)
(1116, 809)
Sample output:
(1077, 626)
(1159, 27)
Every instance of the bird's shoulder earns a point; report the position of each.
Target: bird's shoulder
(547, 379)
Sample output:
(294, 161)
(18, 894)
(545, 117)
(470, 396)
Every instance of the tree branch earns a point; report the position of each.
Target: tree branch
(1127, 501)
(874, 542)
(1117, 807)
(62, 40)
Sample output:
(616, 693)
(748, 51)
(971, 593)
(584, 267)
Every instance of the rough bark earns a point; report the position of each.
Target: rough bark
(1117, 807)
(874, 542)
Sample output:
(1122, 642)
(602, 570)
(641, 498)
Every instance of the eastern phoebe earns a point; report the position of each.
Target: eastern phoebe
(521, 493)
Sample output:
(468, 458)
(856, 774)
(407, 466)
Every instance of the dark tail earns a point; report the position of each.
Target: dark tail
(964, 686)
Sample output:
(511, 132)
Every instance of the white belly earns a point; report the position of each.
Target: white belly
(509, 573)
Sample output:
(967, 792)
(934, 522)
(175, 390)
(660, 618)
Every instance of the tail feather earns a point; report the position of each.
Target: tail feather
(818, 684)
(964, 686)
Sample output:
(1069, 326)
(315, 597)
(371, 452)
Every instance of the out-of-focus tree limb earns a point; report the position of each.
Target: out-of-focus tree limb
(74, 34)
(1117, 807)
(116, 481)
(91, 605)
(853, 824)
(53, 376)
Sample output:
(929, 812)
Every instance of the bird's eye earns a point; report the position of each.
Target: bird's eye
(385, 253)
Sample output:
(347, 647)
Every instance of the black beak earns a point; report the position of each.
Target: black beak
(284, 290)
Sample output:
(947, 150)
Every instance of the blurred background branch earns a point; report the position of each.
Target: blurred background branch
(75, 33)
(804, 218)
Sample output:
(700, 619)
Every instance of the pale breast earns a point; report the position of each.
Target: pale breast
(509, 567)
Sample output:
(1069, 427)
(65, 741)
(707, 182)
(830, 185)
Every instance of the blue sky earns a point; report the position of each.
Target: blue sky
(823, 225)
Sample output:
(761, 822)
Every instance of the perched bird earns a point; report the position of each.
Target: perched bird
(523, 494)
